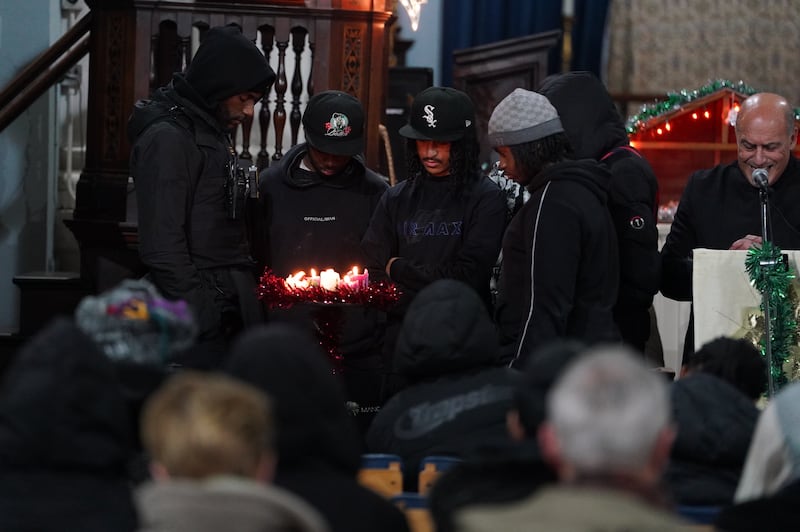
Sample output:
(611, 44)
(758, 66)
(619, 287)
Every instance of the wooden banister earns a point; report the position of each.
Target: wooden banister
(44, 71)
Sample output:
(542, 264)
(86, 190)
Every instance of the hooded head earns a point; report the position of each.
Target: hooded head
(539, 374)
(226, 64)
(308, 400)
(736, 361)
(446, 329)
(61, 407)
(588, 114)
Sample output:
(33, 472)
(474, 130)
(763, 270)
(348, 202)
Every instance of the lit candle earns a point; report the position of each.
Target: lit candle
(349, 282)
(329, 279)
(314, 278)
(360, 280)
(297, 280)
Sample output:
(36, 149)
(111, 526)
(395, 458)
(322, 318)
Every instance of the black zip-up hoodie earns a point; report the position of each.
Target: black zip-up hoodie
(596, 131)
(314, 221)
(311, 221)
(560, 263)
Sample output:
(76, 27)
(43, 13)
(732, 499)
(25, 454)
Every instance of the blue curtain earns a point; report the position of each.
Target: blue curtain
(588, 32)
(472, 23)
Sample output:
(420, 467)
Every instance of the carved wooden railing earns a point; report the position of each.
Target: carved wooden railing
(138, 44)
(44, 71)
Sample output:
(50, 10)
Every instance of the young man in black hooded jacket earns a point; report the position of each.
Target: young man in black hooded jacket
(560, 270)
(596, 131)
(192, 232)
(445, 221)
(316, 204)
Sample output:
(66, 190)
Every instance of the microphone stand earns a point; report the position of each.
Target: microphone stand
(763, 193)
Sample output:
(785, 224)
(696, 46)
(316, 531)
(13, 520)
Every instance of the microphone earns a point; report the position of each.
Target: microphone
(760, 178)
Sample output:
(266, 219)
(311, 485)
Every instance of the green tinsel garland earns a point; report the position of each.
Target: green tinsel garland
(675, 100)
(775, 281)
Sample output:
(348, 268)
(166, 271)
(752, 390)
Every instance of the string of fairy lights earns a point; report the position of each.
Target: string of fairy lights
(675, 100)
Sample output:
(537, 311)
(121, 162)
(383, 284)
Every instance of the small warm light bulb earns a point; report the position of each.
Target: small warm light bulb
(668, 127)
(694, 115)
(707, 114)
(659, 131)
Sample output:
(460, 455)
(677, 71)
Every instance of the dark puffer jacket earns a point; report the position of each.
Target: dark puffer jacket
(458, 399)
(318, 448)
(65, 440)
(715, 424)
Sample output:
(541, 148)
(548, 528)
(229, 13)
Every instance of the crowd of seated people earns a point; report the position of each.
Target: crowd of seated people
(106, 434)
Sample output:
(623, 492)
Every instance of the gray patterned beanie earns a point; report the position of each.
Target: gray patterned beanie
(522, 116)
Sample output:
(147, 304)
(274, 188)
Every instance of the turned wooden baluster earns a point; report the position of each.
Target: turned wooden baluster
(279, 117)
(298, 45)
(262, 161)
(310, 87)
(184, 52)
(153, 51)
(167, 53)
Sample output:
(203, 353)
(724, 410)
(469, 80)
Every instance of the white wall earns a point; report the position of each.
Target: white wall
(27, 154)
(427, 47)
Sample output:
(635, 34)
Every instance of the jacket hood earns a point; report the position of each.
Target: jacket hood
(62, 408)
(589, 173)
(148, 111)
(446, 329)
(588, 114)
(715, 420)
(309, 402)
(226, 63)
(223, 503)
(294, 176)
(167, 103)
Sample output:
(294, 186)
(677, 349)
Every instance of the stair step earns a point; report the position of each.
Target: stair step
(44, 295)
(10, 342)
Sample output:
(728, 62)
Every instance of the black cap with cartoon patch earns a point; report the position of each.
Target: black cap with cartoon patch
(333, 123)
(440, 113)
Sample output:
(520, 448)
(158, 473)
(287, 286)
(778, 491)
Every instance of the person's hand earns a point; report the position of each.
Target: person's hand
(389, 266)
(746, 242)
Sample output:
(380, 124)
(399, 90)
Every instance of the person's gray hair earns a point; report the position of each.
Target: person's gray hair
(608, 410)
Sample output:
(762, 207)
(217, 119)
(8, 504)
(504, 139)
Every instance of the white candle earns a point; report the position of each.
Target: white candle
(297, 280)
(329, 279)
